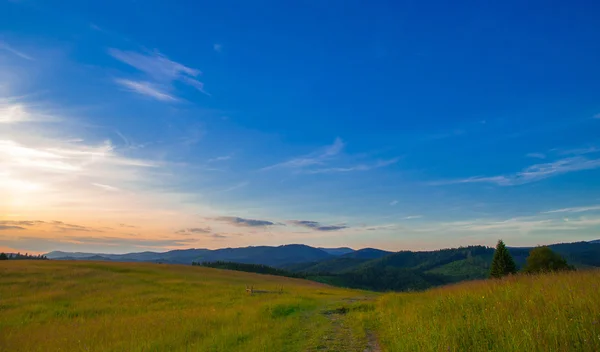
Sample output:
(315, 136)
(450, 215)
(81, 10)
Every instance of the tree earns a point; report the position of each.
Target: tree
(3, 256)
(503, 263)
(544, 259)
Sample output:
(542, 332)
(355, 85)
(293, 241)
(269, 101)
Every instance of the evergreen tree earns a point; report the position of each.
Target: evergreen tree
(503, 263)
(544, 259)
(3, 256)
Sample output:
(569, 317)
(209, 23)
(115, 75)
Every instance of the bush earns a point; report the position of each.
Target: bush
(544, 259)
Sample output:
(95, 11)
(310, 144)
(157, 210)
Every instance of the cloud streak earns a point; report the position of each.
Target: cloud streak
(316, 158)
(11, 227)
(314, 225)
(14, 51)
(147, 89)
(574, 210)
(532, 173)
(237, 221)
(360, 167)
(162, 72)
(194, 230)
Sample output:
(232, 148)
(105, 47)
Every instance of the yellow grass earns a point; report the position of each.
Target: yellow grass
(554, 312)
(97, 306)
(94, 306)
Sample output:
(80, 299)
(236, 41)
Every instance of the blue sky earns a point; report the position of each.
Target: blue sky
(129, 125)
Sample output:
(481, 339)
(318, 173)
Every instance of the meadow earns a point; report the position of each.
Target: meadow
(550, 312)
(99, 306)
(104, 306)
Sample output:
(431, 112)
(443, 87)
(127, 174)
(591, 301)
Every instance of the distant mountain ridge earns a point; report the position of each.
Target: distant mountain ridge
(272, 256)
(366, 268)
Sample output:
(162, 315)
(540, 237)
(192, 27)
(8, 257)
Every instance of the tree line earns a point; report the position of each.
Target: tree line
(251, 268)
(541, 259)
(19, 256)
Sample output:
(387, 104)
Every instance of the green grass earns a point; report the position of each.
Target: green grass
(92, 306)
(103, 306)
(553, 312)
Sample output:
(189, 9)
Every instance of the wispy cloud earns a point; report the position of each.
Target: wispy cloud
(55, 225)
(146, 88)
(316, 158)
(220, 158)
(12, 50)
(314, 225)
(161, 70)
(12, 110)
(11, 227)
(413, 217)
(580, 151)
(218, 47)
(574, 210)
(394, 202)
(532, 173)
(360, 167)
(237, 221)
(106, 187)
(194, 230)
(536, 155)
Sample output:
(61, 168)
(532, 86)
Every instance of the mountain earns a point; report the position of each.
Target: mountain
(594, 241)
(272, 256)
(367, 253)
(337, 251)
(367, 268)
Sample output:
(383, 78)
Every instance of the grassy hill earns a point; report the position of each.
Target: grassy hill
(553, 312)
(106, 306)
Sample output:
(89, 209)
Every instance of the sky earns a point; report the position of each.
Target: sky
(128, 126)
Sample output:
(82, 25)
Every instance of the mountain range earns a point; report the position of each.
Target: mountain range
(366, 268)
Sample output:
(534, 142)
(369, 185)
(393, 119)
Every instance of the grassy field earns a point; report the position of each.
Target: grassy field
(96, 306)
(553, 312)
(102, 306)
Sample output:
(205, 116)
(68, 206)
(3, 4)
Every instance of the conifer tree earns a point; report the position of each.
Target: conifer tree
(3, 256)
(503, 263)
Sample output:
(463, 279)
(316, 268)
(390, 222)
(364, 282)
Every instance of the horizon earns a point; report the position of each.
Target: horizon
(151, 127)
(291, 244)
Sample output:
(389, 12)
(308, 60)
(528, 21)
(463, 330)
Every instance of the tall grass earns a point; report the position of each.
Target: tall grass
(553, 312)
(87, 306)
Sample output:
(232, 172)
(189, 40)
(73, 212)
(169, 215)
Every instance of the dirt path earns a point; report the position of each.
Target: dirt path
(343, 334)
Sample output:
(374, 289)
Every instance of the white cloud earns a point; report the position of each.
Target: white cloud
(218, 47)
(394, 202)
(410, 217)
(106, 187)
(161, 70)
(146, 88)
(580, 151)
(220, 158)
(317, 158)
(14, 111)
(14, 51)
(532, 173)
(574, 210)
(360, 167)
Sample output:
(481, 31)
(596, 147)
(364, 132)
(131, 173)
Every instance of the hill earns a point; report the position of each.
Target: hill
(266, 255)
(115, 306)
(110, 306)
(407, 270)
(366, 268)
